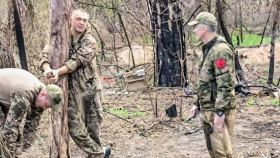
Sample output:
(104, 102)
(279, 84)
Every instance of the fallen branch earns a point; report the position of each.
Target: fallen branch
(193, 131)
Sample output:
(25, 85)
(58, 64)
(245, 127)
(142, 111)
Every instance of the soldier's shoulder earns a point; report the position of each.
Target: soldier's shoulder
(90, 38)
(222, 47)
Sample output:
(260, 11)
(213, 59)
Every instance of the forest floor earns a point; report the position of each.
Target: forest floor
(142, 135)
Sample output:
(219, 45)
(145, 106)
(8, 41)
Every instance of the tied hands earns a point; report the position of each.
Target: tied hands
(52, 75)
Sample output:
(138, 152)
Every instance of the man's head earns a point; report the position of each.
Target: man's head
(50, 96)
(79, 21)
(205, 26)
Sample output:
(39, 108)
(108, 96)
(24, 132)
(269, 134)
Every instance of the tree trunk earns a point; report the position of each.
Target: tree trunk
(59, 46)
(273, 37)
(168, 35)
(239, 73)
(240, 16)
(6, 56)
(209, 5)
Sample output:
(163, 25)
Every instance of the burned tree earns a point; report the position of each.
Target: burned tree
(168, 36)
(273, 37)
(59, 48)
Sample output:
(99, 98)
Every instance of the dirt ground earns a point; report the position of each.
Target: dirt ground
(256, 131)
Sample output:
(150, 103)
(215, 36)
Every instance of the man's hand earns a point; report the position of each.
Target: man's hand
(55, 76)
(219, 122)
(194, 111)
(48, 74)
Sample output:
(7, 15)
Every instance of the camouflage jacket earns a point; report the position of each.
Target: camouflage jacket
(82, 71)
(217, 77)
(23, 115)
(18, 92)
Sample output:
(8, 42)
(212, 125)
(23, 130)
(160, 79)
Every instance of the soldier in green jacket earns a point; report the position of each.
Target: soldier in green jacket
(216, 94)
(84, 104)
(23, 98)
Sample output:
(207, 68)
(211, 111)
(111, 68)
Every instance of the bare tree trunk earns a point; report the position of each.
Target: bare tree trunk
(59, 48)
(167, 25)
(264, 29)
(6, 56)
(240, 16)
(209, 5)
(273, 37)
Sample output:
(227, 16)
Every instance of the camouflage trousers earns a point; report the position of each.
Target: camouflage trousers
(218, 143)
(84, 121)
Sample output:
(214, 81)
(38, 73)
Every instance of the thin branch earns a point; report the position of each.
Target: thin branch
(266, 24)
(126, 35)
(192, 15)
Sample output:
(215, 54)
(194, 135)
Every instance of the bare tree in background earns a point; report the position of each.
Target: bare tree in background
(59, 48)
(273, 37)
(6, 56)
(167, 31)
(239, 73)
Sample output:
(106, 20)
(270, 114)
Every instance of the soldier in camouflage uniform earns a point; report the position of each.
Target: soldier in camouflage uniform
(216, 94)
(84, 105)
(23, 98)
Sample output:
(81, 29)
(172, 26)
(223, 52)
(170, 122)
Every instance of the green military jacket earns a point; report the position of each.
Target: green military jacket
(217, 77)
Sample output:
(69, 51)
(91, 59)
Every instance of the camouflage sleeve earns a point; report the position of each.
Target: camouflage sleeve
(224, 71)
(44, 56)
(12, 131)
(83, 55)
(30, 127)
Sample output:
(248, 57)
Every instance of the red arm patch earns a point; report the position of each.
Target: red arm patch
(220, 63)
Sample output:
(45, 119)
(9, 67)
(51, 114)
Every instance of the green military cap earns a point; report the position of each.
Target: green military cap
(56, 95)
(204, 18)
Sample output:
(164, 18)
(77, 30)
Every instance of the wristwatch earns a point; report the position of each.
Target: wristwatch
(219, 112)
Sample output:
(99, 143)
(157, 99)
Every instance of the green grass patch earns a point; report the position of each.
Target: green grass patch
(266, 70)
(262, 81)
(147, 39)
(120, 112)
(251, 102)
(274, 102)
(126, 115)
(249, 39)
